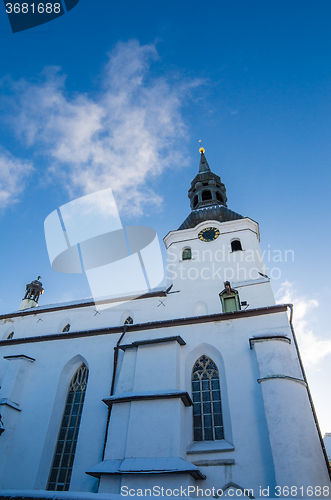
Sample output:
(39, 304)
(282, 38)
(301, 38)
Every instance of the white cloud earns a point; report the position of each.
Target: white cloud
(13, 175)
(123, 137)
(313, 348)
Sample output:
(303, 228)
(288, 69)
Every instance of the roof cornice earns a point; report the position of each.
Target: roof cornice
(210, 318)
(89, 303)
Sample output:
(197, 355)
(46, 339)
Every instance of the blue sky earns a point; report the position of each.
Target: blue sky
(119, 93)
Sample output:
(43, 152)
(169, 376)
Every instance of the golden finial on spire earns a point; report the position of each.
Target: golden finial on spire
(201, 150)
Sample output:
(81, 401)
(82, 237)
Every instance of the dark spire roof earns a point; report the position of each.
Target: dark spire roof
(207, 196)
(203, 167)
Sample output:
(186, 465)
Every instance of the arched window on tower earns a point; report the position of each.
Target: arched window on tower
(60, 474)
(236, 245)
(128, 321)
(195, 201)
(187, 254)
(207, 409)
(206, 195)
(66, 328)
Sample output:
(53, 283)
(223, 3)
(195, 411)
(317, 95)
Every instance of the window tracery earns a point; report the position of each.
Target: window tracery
(207, 409)
(60, 474)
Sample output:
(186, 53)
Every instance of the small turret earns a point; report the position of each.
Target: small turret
(32, 294)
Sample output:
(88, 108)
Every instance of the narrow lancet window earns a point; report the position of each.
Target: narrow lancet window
(128, 321)
(207, 409)
(59, 478)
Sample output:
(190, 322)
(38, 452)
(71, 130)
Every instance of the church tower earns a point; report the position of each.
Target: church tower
(215, 245)
(213, 394)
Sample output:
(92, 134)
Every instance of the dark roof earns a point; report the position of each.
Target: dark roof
(219, 213)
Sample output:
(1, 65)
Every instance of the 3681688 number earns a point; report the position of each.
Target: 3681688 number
(309, 491)
(33, 8)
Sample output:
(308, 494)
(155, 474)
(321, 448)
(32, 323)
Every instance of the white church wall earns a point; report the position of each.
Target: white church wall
(125, 371)
(120, 416)
(43, 404)
(154, 429)
(162, 427)
(150, 367)
(256, 293)
(155, 372)
(17, 376)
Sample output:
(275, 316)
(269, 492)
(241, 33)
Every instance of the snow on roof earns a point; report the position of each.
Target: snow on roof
(146, 465)
(57, 495)
(83, 302)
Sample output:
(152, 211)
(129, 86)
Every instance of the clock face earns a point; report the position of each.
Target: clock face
(208, 234)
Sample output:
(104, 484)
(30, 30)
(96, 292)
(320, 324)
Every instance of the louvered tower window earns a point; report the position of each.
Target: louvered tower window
(60, 475)
(207, 409)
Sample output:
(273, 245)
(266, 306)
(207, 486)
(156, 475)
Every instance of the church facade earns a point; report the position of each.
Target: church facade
(196, 389)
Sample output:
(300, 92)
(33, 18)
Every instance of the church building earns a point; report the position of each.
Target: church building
(195, 389)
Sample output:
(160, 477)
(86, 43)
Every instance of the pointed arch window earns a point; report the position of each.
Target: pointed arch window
(66, 328)
(60, 474)
(10, 336)
(207, 409)
(128, 321)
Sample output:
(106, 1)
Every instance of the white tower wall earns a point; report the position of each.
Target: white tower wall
(295, 445)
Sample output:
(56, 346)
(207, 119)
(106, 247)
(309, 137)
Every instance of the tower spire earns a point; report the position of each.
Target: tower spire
(203, 167)
(207, 196)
